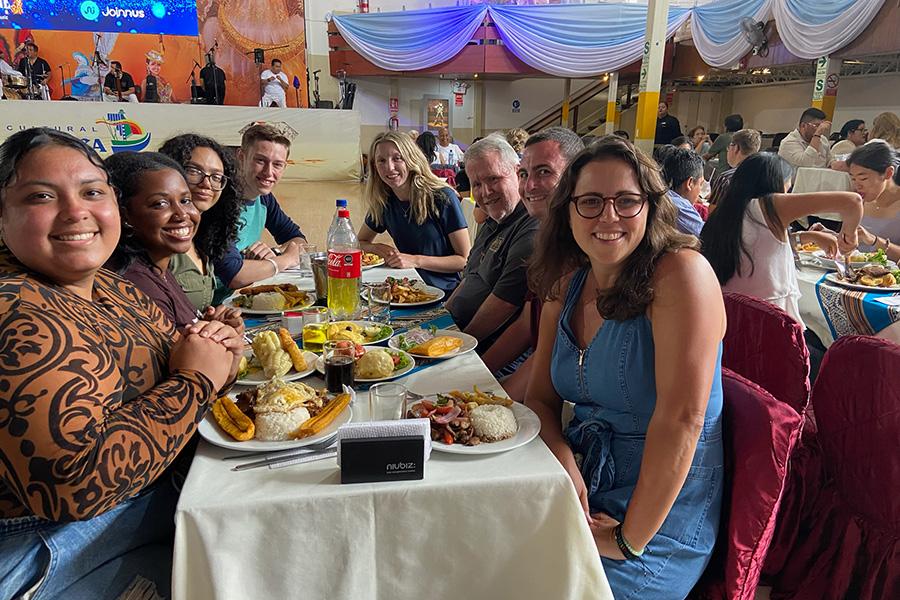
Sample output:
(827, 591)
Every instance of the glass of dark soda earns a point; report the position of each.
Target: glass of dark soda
(340, 357)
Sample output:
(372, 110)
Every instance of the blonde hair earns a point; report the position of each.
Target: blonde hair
(423, 184)
(517, 138)
(886, 126)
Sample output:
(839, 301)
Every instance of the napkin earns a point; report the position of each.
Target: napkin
(386, 429)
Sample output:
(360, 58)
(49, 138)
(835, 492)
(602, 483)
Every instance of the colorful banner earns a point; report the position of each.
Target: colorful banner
(233, 27)
(176, 17)
(325, 144)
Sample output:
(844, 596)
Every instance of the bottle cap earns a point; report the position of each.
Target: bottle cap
(343, 213)
(341, 203)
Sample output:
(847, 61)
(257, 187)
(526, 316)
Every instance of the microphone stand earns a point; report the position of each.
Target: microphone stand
(193, 79)
(211, 63)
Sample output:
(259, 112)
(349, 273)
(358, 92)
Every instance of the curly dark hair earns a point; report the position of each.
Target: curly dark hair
(126, 170)
(219, 225)
(558, 254)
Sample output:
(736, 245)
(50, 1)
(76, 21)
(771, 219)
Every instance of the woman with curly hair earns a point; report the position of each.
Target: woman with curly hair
(210, 171)
(620, 337)
(886, 126)
(517, 138)
(417, 209)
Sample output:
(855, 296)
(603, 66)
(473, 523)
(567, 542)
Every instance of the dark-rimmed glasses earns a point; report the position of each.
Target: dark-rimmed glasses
(195, 176)
(626, 206)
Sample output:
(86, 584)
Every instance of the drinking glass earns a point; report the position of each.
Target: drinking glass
(339, 362)
(306, 252)
(387, 401)
(378, 311)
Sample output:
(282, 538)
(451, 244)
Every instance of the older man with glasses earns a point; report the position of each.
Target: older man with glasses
(492, 291)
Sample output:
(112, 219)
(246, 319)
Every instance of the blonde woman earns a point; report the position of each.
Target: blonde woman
(886, 126)
(420, 213)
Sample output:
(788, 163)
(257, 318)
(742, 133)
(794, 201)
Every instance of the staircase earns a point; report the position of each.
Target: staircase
(587, 109)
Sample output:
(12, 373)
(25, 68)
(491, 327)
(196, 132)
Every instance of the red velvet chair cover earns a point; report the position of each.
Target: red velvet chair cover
(852, 547)
(765, 345)
(448, 174)
(759, 434)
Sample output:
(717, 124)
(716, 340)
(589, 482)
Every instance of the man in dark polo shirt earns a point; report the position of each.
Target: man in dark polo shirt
(494, 285)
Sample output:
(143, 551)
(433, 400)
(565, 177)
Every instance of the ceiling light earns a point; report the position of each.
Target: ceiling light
(700, 78)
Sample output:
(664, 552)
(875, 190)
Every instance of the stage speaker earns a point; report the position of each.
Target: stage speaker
(259, 56)
(324, 104)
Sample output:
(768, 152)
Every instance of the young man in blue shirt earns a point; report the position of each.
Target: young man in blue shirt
(262, 159)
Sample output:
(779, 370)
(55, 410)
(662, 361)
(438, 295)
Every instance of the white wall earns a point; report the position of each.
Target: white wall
(534, 96)
(777, 108)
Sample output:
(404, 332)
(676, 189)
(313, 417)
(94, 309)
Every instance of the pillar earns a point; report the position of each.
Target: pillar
(651, 74)
(825, 91)
(567, 91)
(613, 108)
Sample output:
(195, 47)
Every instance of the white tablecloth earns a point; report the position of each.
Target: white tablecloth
(495, 526)
(810, 179)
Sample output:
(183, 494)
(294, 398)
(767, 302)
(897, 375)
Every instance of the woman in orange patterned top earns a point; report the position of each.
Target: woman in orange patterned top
(98, 393)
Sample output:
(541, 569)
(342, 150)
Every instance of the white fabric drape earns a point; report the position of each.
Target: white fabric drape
(807, 39)
(717, 34)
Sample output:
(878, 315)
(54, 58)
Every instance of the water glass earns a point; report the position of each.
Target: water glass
(314, 314)
(379, 311)
(339, 363)
(387, 401)
(306, 252)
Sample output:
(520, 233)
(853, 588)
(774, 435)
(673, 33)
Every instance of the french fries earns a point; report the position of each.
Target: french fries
(480, 397)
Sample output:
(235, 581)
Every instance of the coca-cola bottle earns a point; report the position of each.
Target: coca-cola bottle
(344, 268)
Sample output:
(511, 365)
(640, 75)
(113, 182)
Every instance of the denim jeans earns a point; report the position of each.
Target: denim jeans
(93, 559)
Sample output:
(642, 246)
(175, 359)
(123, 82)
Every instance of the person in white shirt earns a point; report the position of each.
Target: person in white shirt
(447, 152)
(276, 82)
(807, 146)
(6, 69)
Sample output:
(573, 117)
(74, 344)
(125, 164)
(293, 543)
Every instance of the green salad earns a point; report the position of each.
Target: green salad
(376, 333)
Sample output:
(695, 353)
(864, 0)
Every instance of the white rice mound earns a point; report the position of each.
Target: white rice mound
(493, 422)
(278, 426)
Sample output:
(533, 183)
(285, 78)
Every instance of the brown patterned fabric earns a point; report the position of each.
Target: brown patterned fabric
(89, 414)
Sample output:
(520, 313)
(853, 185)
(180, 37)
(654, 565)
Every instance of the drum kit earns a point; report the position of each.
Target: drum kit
(16, 87)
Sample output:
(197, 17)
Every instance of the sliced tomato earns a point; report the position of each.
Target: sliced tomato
(447, 437)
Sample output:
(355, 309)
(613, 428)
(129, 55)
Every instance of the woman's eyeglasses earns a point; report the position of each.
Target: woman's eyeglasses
(195, 176)
(626, 206)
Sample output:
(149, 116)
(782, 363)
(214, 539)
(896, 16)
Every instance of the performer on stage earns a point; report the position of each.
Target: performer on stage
(213, 80)
(119, 85)
(36, 69)
(156, 88)
(6, 69)
(276, 82)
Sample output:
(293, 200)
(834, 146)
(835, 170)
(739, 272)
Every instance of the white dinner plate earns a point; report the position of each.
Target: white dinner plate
(469, 344)
(836, 279)
(320, 367)
(310, 300)
(373, 265)
(257, 377)
(529, 427)
(212, 433)
(428, 289)
(828, 262)
(366, 324)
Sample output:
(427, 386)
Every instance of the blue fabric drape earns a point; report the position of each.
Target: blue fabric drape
(582, 40)
(721, 21)
(578, 40)
(411, 40)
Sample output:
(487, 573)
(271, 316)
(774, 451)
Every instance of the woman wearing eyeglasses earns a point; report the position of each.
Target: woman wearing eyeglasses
(210, 173)
(620, 337)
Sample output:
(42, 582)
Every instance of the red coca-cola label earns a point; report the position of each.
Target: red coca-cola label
(345, 265)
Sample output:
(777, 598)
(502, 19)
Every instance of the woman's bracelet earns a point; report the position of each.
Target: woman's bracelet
(627, 549)
(274, 265)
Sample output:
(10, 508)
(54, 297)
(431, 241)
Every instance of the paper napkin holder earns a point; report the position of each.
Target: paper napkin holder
(383, 450)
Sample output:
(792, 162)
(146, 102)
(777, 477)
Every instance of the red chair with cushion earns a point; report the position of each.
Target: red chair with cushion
(765, 345)
(448, 174)
(852, 547)
(759, 435)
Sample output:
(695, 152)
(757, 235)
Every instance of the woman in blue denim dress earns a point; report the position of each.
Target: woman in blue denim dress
(631, 334)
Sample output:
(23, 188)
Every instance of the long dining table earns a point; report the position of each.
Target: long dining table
(505, 525)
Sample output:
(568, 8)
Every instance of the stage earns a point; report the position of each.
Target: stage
(326, 147)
